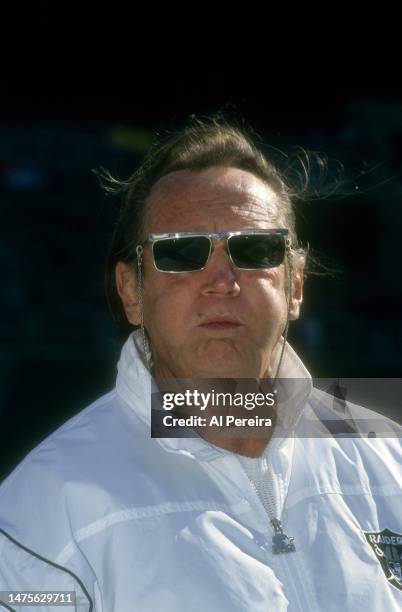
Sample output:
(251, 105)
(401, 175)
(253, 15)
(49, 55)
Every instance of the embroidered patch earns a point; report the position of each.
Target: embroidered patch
(387, 547)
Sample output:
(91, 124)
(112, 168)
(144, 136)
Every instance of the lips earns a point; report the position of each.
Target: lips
(222, 323)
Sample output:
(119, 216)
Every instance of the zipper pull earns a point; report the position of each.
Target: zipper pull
(281, 543)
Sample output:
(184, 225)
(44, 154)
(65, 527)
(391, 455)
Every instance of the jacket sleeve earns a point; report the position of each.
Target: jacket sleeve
(35, 525)
(24, 570)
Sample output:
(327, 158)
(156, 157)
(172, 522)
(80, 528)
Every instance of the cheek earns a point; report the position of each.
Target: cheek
(166, 299)
(266, 288)
(267, 300)
(270, 288)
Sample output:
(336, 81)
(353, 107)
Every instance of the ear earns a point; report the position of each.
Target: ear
(127, 288)
(297, 292)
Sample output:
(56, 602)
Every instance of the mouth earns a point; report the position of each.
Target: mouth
(220, 324)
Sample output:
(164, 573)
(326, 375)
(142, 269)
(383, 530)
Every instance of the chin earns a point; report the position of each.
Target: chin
(221, 358)
(221, 368)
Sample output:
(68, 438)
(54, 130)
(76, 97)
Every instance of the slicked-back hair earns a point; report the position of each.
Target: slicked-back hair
(201, 144)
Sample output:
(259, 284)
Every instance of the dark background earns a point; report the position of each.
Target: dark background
(58, 121)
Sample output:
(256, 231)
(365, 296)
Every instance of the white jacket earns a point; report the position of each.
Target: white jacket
(135, 524)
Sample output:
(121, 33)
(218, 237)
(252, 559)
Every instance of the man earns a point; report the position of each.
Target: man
(206, 266)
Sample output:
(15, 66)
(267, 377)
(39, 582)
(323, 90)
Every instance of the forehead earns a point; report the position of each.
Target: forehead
(209, 200)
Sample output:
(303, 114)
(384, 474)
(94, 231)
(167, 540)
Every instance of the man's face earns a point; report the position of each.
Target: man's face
(221, 321)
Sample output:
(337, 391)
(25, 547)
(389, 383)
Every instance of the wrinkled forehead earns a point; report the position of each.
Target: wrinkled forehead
(188, 200)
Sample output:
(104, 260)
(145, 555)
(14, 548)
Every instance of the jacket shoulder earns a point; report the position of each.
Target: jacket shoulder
(68, 466)
(342, 417)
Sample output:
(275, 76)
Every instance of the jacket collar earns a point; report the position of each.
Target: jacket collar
(134, 384)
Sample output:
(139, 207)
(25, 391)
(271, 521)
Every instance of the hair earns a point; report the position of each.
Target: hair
(196, 147)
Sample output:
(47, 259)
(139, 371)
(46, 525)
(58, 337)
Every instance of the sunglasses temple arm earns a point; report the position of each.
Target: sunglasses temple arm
(289, 274)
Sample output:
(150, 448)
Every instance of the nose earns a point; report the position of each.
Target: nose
(220, 274)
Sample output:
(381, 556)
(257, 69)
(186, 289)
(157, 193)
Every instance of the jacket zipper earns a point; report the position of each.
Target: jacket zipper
(274, 511)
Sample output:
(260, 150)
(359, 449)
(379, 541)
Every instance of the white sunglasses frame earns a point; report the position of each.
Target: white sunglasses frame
(153, 238)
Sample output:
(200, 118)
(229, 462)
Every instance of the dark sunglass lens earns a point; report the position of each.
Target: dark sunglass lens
(181, 254)
(257, 251)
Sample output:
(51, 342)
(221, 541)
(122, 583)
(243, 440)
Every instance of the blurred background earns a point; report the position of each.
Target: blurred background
(59, 346)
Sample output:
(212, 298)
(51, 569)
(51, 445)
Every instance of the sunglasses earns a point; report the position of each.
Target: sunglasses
(248, 249)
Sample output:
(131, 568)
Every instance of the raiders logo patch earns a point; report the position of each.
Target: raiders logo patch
(387, 546)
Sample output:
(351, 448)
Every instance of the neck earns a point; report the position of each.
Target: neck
(249, 447)
(218, 399)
